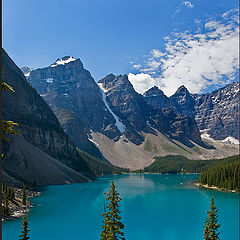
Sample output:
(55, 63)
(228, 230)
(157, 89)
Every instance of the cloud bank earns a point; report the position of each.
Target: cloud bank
(197, 60)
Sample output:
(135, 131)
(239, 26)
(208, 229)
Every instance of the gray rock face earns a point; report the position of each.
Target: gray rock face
(156, 98)
(127, 104)
(112, 109)
(38, 124)
(76, 100)
(26, 71)
(139, 116)
(183, 102)
(216, 113)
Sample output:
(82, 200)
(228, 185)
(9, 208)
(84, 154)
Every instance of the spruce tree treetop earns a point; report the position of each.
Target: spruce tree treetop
(211, 226)
(24, 235)
(112, 225)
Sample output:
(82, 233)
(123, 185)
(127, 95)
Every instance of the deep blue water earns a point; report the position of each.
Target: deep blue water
(164, 207)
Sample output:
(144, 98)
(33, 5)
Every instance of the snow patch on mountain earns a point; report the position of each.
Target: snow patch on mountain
(27, 74)
(49, 80)
(231, 140)
(63, 61)
(93, 142)
(26, 71)
(101, 86)
(207, 136)
(121, 127)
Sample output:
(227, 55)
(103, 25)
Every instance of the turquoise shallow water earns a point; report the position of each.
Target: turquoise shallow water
(164, 207)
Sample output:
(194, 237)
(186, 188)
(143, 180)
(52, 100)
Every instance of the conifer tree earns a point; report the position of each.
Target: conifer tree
(5, 207)
(12, 193)
(112, 225)
(211, 225)
(24, 235)
(7, 126)
(24, 197)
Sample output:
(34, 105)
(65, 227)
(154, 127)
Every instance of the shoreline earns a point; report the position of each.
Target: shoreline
(215, 188)
(17, 209)
(182, 173)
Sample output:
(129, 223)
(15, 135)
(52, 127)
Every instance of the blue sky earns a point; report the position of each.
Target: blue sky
(126, 36)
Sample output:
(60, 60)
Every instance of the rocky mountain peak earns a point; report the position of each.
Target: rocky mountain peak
(110, 77)
(119, 83)
(154, 91)
(155, 97)
(183, 101)
(66, 60)
(182, 89)
(216, 113)
(26, 71)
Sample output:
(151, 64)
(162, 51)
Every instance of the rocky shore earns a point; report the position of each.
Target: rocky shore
(214, 187)
(16, 208)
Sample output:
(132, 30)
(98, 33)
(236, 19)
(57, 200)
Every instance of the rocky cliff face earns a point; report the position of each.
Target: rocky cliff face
(183, 102)
(38, 124)
(138, 116)
(156, 98)
(127, 104)
(216, 113)
(26, 71)
(128, 128)
(112, 107)
(76, 100)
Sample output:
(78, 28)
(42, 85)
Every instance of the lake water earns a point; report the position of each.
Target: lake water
(154, 206)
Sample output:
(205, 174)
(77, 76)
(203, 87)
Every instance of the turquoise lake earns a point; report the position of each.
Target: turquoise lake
(154, 206)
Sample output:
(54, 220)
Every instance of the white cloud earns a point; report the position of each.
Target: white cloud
(137, 66)
(188, 4)
(141, 82)
(196, 60)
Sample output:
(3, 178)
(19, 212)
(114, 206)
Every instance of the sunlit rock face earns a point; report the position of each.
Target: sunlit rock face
(76, 99)
(216, 113)
(39, 130)
(141, 116)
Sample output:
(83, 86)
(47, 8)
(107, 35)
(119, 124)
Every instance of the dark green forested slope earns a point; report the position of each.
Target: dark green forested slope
(180, 164)
(99, 167)
(225, 176)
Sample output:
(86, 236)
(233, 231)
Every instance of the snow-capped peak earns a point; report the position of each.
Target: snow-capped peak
(63, 61)
(26, 71)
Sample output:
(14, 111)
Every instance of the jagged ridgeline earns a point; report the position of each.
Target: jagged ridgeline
(110, 120)
(42, 153)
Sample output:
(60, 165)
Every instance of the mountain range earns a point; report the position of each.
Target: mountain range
(42, 153)
(111, 121)
(216, 113)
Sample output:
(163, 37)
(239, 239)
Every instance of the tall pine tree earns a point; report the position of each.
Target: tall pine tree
(211, 225)
(24, 197)
(112, 225)
(24, 235)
